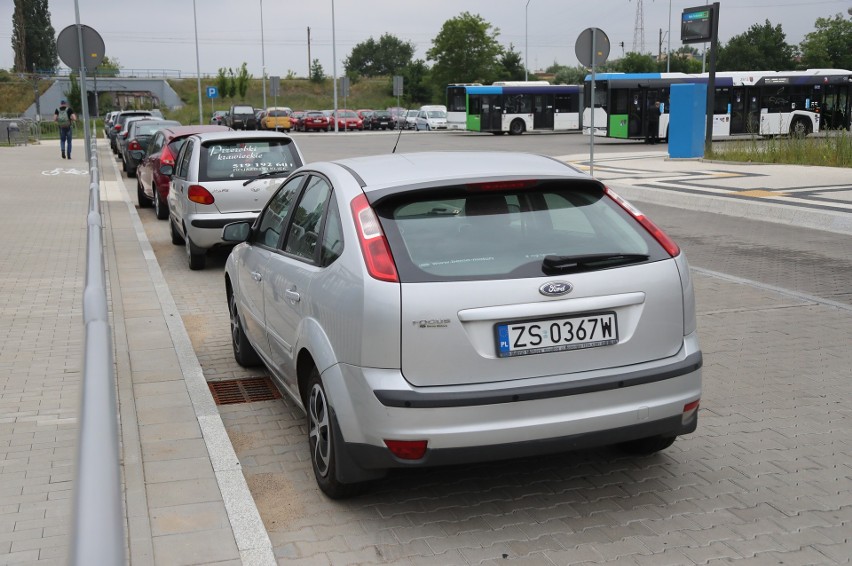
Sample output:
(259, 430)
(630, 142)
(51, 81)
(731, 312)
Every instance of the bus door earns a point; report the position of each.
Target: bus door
(636, 113)
(491, 116)
(835, 107)
(738, 110)
(752, 111)
(543, 112)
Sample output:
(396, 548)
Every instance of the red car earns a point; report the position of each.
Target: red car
(296, 120)
(162, 150)
(347, 120)
(314, 120)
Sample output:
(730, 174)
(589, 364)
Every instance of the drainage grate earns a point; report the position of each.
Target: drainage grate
(247, 390)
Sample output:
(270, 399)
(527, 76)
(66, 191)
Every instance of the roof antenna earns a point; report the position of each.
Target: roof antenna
(398, 136)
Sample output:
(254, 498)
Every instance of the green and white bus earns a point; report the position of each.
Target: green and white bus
(764, 103)
(514, 107)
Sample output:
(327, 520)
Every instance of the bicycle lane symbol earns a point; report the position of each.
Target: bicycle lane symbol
(60, 171)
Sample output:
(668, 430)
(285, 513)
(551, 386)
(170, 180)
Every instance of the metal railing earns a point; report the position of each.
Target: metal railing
(98, 535)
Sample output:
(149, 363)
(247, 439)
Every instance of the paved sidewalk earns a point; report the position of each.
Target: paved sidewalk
(808, 197)
(186, 499)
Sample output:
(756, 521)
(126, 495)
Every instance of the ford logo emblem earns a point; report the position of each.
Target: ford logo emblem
(555, 288)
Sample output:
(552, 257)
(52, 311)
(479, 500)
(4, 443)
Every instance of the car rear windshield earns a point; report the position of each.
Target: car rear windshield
(243, 159)
(454, 233)
(383, 115)
(243, 110)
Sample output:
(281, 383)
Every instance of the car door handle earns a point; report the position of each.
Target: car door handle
(256, 276)
(292, 295)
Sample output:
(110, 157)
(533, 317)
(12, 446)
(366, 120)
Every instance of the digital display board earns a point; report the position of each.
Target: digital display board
(696, 24)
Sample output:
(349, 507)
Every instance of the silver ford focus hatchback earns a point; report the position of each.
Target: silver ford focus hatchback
(442, 308)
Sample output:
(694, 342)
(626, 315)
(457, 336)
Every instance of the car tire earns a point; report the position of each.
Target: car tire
(177, 239)
(131, 171)
(160, 207)
(244, 352)
(647, 446)
(322, 442)
(140, 196)
(196, 257)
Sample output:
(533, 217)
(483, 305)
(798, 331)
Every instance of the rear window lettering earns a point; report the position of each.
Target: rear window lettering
(243, 159)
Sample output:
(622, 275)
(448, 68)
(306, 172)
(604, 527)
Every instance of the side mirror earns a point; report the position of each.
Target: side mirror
(167, 170)
(236, 232)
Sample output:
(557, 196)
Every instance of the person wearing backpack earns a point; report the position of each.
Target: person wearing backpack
(65, 117)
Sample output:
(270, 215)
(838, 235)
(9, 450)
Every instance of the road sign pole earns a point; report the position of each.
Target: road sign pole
(592, 127)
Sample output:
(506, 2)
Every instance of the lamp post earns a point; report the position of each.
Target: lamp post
(526, 41)
(197, 65)
(262, 54)
(334, 64)
(669, 48)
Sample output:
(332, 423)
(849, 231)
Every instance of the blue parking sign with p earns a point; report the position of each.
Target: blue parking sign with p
(212, 92)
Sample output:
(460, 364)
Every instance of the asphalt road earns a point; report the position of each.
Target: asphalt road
(765, 478)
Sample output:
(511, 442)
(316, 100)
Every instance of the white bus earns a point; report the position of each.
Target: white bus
(763, 103)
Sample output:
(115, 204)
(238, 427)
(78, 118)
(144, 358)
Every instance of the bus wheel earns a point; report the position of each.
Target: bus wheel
(516, 128)
(799, 128)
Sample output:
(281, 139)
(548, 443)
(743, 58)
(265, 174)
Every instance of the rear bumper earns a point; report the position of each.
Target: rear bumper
(493, 421)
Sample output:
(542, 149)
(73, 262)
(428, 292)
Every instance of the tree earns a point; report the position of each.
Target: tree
(232, 84)
(33, 37)
(634, 62)
(317, 73)
(379, 58)
(73, 95)
(222, 82)
(829, 46)
(761, 48)
(564, 75)
(242, 80)
(108, 67)
(512, 66)
(415, 80)
(465, 51)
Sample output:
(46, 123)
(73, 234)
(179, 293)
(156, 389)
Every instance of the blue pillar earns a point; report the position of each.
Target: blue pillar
(688, 106)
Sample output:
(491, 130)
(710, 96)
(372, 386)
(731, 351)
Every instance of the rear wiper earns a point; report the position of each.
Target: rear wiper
(267, 174)
(562, 263)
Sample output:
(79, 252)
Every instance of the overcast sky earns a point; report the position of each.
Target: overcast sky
(158, 34)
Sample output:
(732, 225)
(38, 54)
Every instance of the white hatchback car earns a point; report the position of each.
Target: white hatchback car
(442, 308)
(223, 177)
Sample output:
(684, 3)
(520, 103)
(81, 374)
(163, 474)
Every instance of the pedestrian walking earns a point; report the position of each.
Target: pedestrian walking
(65, 117)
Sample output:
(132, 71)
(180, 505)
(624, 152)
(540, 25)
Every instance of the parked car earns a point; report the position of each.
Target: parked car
(443, 308)
(118, 124)
(108, 122)
(314, 120)
(276, 119)
(121, 136)
(379, 120)
(224, 177)
(431, 118)
(363, 113)
(296, 119)
(398, 115)
(241, 117)
(347, 120)
(219, 117)
(139, 134)
(152, 185)
(410, 122)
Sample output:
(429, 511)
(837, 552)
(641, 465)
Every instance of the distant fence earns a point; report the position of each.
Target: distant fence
(18, 131)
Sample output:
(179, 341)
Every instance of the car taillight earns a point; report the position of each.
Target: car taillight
(501, 185)
(407, 449)
(134, 145)
(167, 157)
(197, 193)
(374, 245)
(662, 238)
(117, 127)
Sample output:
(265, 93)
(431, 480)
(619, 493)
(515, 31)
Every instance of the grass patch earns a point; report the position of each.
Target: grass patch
(831, 150)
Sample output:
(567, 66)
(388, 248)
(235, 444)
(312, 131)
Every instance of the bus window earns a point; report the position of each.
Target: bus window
(721, 100)
(475, 102)
(619, 101)
(567, 102)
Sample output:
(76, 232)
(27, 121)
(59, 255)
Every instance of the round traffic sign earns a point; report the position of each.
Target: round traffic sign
(68, 47)
(592, 47)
